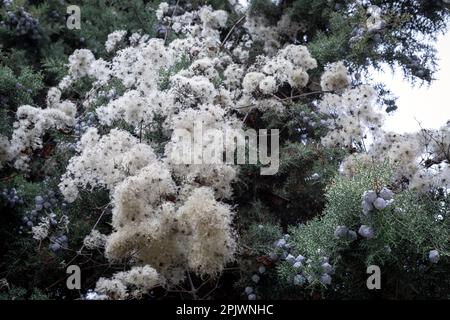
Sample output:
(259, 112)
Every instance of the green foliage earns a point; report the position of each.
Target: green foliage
(265, 8)
(33, 270)
(404, 234)
(15, 293)
(19, 88)
(333, 44)
(165, 74)
(261, 237)
(343, 208)
(305, 168)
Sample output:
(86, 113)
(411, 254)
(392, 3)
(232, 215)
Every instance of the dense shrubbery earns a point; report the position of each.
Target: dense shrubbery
(87, 147)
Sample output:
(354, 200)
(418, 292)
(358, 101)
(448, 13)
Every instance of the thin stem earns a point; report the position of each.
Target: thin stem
(193, 291)
(170, 22)
(231, 31)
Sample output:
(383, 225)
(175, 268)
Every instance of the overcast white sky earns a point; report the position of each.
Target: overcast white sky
(428, 104)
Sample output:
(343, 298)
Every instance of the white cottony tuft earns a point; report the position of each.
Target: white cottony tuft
(433, 256)
(297, 265)
(300, 258)
(248, 290)
(262, 269)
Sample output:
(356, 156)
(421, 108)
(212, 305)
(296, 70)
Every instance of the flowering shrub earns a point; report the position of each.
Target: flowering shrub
(104, 139)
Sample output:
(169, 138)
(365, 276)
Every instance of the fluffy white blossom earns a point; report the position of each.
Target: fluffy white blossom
(31, 125)
(142, 279)
(162, 9)
(375, 22)
(113, 39)
(213, 19)
(335, 77)
(268, 85)
(104, 161)
(251, 81)
(41, 231)
(111, 289)
(80, 63)
(94, 240)
(213, 243)
(354, 116)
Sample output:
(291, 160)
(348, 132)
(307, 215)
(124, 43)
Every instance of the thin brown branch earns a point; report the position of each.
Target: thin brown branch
(231, 31)
(170, 22)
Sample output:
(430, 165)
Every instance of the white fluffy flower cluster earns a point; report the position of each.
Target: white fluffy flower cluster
(135, 108)
(165, 215)
(94, 240)
(104, 161)
(335, 77)
(49, 225)
(113, 39)
(80, 63)
(375, 22)
(127, 284)
(148, 216)
(172, 236)
(421, 158)
(353, 116)
(261, 30)
(40, 231)
(213, 19)
(290, 65)
(196, 172)
(31, 125)
(263, 79)
(162, 9)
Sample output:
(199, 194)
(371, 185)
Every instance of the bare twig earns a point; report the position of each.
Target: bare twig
(211, 291)
(231, 31)
(193, 291)
(170, 22)
(301, 95)
(82, 247)
(246, 115)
